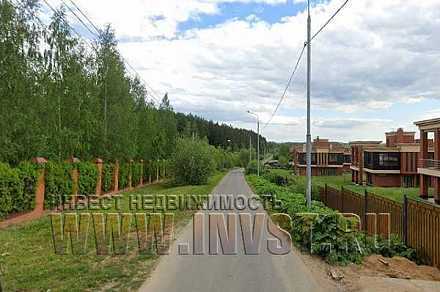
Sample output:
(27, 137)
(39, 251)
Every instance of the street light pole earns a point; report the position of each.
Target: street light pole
(258, 141)
(308, 137)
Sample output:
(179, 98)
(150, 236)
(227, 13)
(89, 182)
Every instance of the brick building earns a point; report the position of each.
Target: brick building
(393, 164)
(429, 162)
(328, 158)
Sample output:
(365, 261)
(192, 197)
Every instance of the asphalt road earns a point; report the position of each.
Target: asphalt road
(240, 272)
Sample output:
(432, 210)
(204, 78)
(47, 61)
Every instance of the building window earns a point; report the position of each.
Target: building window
(335, 158)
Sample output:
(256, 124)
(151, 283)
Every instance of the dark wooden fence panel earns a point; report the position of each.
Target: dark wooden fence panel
(422, 219)
(424, 230)
(353, 203)
(334, 199)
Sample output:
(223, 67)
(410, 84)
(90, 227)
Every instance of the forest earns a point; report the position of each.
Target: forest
(62, 96)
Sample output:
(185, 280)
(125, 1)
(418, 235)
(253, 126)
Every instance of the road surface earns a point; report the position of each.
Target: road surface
(263, 272)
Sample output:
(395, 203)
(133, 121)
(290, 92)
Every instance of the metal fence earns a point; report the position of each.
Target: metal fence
(417, 223)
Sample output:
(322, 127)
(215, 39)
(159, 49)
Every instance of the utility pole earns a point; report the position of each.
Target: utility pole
(258, 141)
(309, 137)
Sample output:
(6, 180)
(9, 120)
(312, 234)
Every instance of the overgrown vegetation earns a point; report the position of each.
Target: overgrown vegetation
(59, 187)
(322, 230)
(88, 176)
(107, 177)
(124, 172)
(136, 174)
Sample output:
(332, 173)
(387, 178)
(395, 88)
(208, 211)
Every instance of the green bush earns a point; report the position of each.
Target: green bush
(28, 173)
(137, 174)
(148, 171)
(88, 176)
(277, 177)
(251, 168)
(58, 183)
(192, 162)
(124, 171)
(107, 177)
(11, 189)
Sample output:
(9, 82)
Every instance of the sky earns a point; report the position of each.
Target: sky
(375, 68)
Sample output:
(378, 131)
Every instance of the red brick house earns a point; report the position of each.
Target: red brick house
(393, 164)
(328, 158)
(429, 162)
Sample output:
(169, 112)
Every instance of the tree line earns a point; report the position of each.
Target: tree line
(61, 98)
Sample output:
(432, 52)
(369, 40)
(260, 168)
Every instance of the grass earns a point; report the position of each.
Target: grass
(395, 194)
(28, 260)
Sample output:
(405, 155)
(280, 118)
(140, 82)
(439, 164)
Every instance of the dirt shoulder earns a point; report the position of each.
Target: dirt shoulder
(376, 273)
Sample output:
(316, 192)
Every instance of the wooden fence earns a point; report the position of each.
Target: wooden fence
(417, 223)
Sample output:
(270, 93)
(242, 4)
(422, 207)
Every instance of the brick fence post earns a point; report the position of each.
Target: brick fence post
(116, 176)
(141, 182)
(98, 163)
(40, 188)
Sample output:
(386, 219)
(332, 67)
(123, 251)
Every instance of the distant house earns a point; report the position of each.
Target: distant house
(393, 164)
(328, 158)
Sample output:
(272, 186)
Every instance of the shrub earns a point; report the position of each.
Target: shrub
(148, 171)
(137, 173)
(276, 177)
(58, 183)
(28, 173)
(192, 162)
(107, 177)
(124, 171)
(88, 176)
(251, 168)
(11, 189)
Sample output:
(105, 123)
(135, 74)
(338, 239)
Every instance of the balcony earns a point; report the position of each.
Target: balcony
(429, 167)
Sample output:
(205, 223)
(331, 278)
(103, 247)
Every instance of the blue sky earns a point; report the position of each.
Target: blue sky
(228, 11)
(374, 68)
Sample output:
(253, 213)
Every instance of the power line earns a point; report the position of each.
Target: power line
(329, 20)
(283, 96)
(67, 23)
(86, 17)
(79, 18)
(299, 59)
(153, 94)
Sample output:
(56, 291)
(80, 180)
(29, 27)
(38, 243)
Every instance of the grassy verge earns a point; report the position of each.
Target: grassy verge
(29, 263)
(395, 194)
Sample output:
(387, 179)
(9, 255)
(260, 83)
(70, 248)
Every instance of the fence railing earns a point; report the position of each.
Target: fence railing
(429, 163)
(417, 223)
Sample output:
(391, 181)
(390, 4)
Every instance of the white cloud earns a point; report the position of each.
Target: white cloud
(375, 54)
